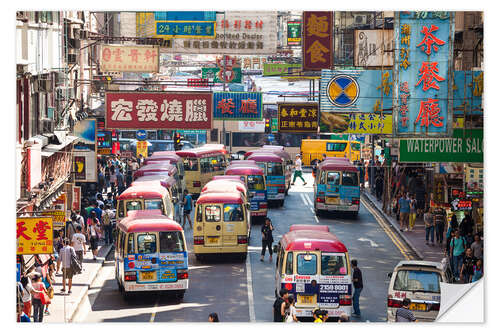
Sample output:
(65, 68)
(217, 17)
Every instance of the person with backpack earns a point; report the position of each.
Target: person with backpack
(467, 269)
(107, 215)
(439, 222)
(457, 249)
(279, 306)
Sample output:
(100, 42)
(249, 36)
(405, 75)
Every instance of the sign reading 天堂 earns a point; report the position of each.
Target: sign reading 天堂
(317, 45)
(423, 74)
(124, 58)
(34, 235)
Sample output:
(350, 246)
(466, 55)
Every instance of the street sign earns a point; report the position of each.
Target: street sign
(141, 135)
(270, 137)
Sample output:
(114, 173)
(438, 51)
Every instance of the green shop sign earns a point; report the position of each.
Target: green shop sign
(465, 146)
(233, 75)
(281, 69)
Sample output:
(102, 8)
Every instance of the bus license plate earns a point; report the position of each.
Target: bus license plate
(332, 201)
(148, 276)
(212, 240)
(418, 307)
(306, 299)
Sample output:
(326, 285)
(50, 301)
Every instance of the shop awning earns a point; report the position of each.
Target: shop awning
(50, 149)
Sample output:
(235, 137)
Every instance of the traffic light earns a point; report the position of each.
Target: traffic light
(177, 141)
(268, 126)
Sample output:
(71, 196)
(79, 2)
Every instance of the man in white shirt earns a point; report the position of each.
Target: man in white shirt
(65, 257)
(78, 242)
(298, 170)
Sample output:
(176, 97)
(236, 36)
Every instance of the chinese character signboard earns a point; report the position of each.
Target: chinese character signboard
(104, 142)
(258, 126)
(317, 46)
(298, 117)
(467, 93)
(294, 33)
(238, 105)
(58, 218)
(77, 198)
(34, 235)
(465, 146)
(142, 149)
(233, 75)
(281, 69)
(158, 110)
(422, 73)
(123, 58)
(370, 48)
(356, 91)
(85, 150)
(185, 29)
(238, 33)
(356, 123)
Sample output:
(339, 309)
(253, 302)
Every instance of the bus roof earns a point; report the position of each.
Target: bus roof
(164, 181)
(241, 162)
(337, 166)
(143, 191)
(244, 170)
(338, 159)
(199, 152)
(163, 167)
(223, 197)
(160, 158)
(147, 220)
(275, 151)
(163, 153)
(224, 185)
(312, 240)
(217, 146)
(265, 157)
(309, 227)
(228, 177)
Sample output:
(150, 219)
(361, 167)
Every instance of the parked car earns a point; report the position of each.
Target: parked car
(420, 282)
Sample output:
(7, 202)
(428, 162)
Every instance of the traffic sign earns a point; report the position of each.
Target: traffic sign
(141, 135)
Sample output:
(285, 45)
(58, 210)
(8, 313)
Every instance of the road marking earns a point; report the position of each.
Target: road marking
(316, 218)
(251, 310)
(303, 199)
(372, 243)
(308, 199)
(153, 315)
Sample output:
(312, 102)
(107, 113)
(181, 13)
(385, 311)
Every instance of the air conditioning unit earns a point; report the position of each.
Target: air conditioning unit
(360, 19)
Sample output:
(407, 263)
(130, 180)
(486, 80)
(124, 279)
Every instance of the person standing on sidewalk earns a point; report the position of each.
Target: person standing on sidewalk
(413, 212)
(78, 242)
(357, 279)
(279, 306)
(298, 170)
(38, 287)
(467, 269)
(404, 313)
(107, 215)
(404, 211)
(457, 249)
(429, 226)
(267, 239)
(65, 257)
(93, 231)
(439, 222)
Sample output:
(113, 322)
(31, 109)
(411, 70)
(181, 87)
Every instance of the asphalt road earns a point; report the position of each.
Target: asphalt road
(244, 291)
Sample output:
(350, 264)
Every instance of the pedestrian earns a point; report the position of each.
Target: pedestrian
(379, 181)
(404, 313)
(99, 200)
(101, 180)
(22, 316)
(107, 215)
(77, 219)
(413, 212)
(291, 313)
(78, 242)
(453, 225)
(112, 178)
(93, 231)
(298, 170)
(26, 295)
(429, 226)
(97, 210)
(279, 306)
(109, 200)
(478, 270)
(477, 247)
(58, 245)
(439, 223)
(457, 249)
(107, 177)
(140, 160)
(65, 258)
(49, 286)
(467, 269)
(267, 239)
(213, 317)
(404, 211)
(320, 316)
(357, 279)
(120, 180)
(38, 288)
(188, 206)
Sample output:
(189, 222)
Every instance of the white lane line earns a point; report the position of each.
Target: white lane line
(251, 310)
(302, 196)
(316, 218)
(153, 314)
(308, 199)
(312, 210)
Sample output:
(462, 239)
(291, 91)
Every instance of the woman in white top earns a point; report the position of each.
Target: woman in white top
(291, 316)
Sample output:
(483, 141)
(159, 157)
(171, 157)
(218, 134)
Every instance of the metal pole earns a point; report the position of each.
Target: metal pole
(224, 82)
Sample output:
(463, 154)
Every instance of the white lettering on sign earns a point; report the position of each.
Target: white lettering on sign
(146, 110)
(171, 111)
(122, 110)
(328, 288)
(196, 110)
(454, 145)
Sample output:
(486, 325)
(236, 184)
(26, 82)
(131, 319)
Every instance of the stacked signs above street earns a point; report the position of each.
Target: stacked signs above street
(137, 58)
(158, 110)
(423, 57)
(232, 67)
(298, 117)
(237, 105)
(317, 49)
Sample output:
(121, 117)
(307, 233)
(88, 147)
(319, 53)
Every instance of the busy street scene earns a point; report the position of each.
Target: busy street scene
(247, 166)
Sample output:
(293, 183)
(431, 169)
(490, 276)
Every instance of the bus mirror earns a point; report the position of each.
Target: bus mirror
(308, 257)
(389, 275)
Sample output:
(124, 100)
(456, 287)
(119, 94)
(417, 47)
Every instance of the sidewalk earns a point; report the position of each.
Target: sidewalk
(415, 238)
(65, 305)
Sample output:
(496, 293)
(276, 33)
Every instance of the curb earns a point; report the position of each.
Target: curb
(393, 225)
(85, 290)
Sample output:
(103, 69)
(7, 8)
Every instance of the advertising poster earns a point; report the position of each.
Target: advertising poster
(85, 151)
(317, 46)
(252, 126)
(294, 33)
(77, 197)
(142, 148)
(34, 235)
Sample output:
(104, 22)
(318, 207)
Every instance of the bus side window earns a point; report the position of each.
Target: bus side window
(279, 262)
(122, 245)
(120, 209)
(118, 238)
(199, 213)
(130, 244)
(289, 264)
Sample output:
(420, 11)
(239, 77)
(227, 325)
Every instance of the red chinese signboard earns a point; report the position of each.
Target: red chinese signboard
(77, 196)
(158, 110)
(298, 117)
(317, 49)
(34, 235)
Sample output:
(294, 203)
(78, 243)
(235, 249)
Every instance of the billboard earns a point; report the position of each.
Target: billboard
(294, 33)
(158, 110)
(298, 117)
(237, 105)
(343, 91)
(317, 46)
(125, 58)
(85, 151)
(423, 74)
(34, 235)
(356, 123)
(184, 29)
(370, 46)
(281, 69)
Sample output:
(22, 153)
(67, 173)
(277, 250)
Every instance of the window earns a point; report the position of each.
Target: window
(215, 163)
(289, 263)
(336, 146)
(333, 178)
(233, 213)
(274, 169)
(121, 212)
(146, 243)
(199, 214)
(422, 281)
(180, 167)
(350, 179)
(205, 165)
(306, 264)
(355, 146)
(153, 204)
(121, 242)
(133, 205)
(333, 264)
(130, 245)
(171, 241)
(191, 164)
(262, 165)
(255, 182)
(212, 213)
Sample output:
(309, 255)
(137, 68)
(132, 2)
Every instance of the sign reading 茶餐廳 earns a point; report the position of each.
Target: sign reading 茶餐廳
(464, 146)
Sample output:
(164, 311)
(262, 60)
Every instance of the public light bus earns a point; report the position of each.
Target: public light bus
(336, 187)
(312, 150)
(253, 176)
(314, 266)
(274, 170)
(150, 169)
(150, 254)
(167, 182)
(200, 165)
(220, 185)
(170, 156)
(144, 197)
(288, 162)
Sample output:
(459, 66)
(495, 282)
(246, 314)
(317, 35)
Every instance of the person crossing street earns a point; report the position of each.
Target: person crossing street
(298, 170)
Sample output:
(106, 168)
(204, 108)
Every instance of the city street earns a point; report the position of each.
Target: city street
(244, 291)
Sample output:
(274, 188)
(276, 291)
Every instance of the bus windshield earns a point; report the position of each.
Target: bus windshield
(153, 204)
(274, 169)
(191, 164)
(255, 182)
(336, 146)
(333, 264)
(146, 243)
(306, 264)
(171, 241)
(349, 179)
(424, 281)
(133, 205)
(333, 178)
(233, 212)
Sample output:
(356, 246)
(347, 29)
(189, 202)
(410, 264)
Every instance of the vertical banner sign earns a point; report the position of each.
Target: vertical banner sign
(158, 110)
(317, 46)
(142, 148)
(294, 33)
(237, 105)
(423, 72)
(77, 197)
(85, 150)
(298, 117)
(34, 235)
